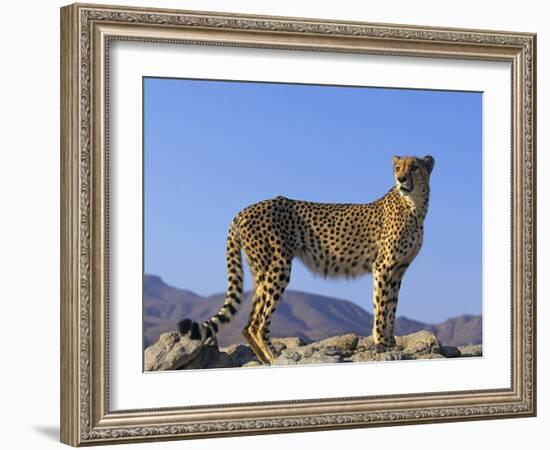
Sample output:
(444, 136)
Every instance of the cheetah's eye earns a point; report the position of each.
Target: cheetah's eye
(414, 168)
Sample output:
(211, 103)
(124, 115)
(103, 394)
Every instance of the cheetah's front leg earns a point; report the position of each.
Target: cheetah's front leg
(385, 294)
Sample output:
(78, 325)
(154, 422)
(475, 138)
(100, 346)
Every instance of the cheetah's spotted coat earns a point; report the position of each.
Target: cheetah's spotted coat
(335, 240)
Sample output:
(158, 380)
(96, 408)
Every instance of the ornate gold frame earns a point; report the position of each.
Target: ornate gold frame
(86, 31)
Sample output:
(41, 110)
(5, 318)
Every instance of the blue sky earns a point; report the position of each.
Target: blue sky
(212, 148)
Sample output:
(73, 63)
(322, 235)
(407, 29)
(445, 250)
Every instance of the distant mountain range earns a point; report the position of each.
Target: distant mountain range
(309, 316)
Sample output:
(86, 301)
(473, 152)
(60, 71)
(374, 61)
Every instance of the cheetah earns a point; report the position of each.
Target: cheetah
(333, 240)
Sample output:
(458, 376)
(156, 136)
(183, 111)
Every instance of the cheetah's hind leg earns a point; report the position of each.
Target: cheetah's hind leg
(250, 331)
(256, 331)
(270, 284)
(265, 357)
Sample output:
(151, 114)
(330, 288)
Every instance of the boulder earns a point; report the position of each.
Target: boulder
(252, 364)
(211, 357)
(470, 350)
(240, 354)
(288, 342)
(330, 350)
(421, 342)
(170, 352)
(429, 356)
(341, 345)
(449, 351)
(372, 355)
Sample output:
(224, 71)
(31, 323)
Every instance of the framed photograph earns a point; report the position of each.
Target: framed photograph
(276, 224)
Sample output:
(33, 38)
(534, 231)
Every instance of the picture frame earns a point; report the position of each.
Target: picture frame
(87, 33)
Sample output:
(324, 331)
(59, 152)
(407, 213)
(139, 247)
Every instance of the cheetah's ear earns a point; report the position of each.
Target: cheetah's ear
(396, 159)
(429, 161)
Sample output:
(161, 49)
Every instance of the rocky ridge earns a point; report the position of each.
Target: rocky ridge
(176, 352)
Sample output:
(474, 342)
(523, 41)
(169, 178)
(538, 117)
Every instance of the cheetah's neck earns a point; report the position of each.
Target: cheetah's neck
(417, 203)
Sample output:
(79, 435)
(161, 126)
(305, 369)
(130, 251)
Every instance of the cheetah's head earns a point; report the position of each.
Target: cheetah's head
(412, 174)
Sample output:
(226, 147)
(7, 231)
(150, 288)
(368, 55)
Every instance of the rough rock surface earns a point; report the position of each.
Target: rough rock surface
(173, 351)
(470, 350)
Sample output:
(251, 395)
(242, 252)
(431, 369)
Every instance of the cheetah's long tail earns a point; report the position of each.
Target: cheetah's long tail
(207, 331)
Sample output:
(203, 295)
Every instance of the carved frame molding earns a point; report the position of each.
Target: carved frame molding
(86, 31)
